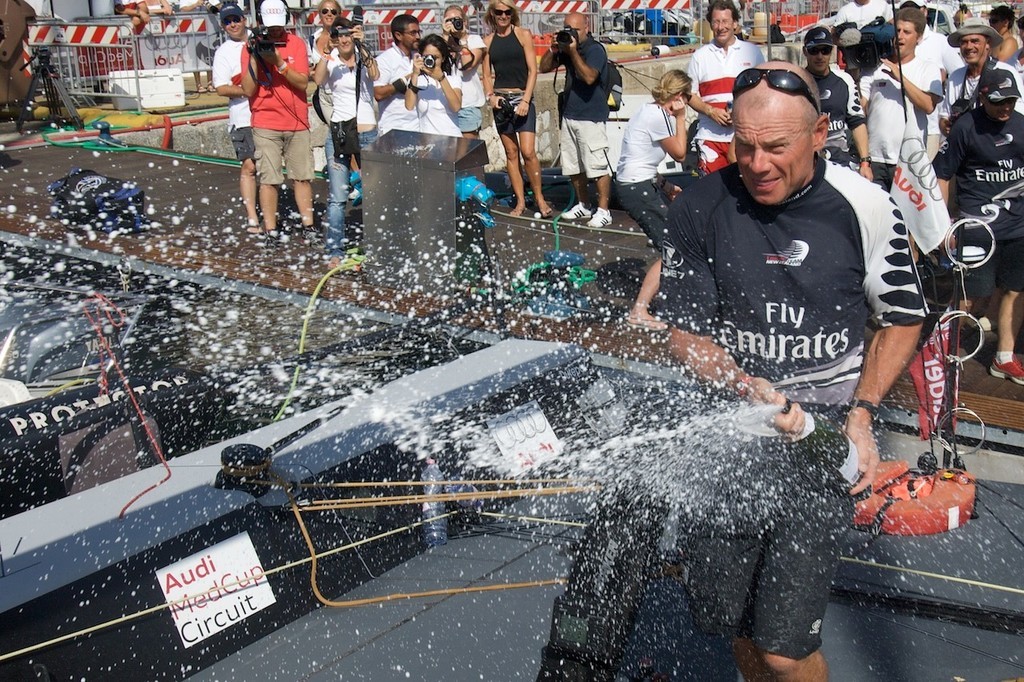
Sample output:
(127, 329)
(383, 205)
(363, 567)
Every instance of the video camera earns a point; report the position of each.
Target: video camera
(566, 36)
(877, 42)
(262, 42)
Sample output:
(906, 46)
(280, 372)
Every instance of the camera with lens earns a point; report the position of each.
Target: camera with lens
(261, 42)
(504, 112)
(566, 36)
(213, 6)
(429, 62)
(339, 31)
(959, 108)
(877, 42)
(457, 23)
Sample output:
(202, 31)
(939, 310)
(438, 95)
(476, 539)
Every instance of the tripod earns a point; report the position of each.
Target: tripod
(58, 100)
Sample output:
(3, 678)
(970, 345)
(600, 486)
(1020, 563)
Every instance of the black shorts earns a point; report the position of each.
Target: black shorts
(771, 585)
(245, 146)
(1005, 269)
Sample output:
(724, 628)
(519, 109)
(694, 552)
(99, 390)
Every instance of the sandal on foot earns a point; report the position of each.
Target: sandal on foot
(651, 325)
(516, 211)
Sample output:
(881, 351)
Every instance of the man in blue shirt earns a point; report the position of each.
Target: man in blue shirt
(584, 138)
(985, 153)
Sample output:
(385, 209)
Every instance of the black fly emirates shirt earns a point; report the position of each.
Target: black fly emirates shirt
(987, 158)
(788, 289)
(839, 99)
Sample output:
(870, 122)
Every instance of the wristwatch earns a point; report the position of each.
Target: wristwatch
(865, 159)
(869, 407)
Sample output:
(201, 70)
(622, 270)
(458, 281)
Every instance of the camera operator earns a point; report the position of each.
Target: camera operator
(435, 91)
(584, 140)
(882, 96)
(227, 80)
(976, 39)
(352, 125)
(275, 72)
(469, 50)
(396, 71)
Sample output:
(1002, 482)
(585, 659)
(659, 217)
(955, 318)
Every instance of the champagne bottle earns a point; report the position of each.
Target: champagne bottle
(825, 444)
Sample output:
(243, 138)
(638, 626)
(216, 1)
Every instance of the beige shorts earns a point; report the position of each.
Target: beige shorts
(584, 148)
(282, 148)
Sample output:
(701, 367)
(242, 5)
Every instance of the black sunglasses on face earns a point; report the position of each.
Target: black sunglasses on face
(778, 79)
(819, 49)
(502, 12)
(232, 20)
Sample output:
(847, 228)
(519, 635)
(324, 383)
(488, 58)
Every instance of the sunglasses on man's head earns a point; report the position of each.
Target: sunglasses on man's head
(819, 50)
(778, 79)
(502, 12)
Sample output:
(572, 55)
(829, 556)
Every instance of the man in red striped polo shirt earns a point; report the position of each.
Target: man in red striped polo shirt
(713, 68)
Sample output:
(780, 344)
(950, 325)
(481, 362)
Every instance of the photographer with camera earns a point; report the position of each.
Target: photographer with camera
(275, 72)
(882, 94)
(227, 81)
(510, 76)
(469, 50)
(435, 90)
(976, 40)
(349, 78)
(584, 140)
(396, 71)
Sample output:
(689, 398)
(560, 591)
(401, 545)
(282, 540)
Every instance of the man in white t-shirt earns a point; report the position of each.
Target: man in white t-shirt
(862, 12)
(713, 68)
(935, 48)
(882, 93)
(227, 80)
(395, 66)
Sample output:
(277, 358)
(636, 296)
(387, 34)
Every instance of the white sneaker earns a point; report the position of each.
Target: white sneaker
(576, 212)
(603, 218)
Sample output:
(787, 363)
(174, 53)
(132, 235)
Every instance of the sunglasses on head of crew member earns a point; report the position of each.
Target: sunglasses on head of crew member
(778, 79)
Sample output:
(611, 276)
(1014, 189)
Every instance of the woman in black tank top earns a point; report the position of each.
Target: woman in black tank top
(510, 74)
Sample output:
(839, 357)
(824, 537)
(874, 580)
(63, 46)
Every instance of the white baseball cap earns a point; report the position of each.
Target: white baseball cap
(274, 13)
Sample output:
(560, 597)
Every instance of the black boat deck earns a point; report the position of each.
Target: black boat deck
(201, 230)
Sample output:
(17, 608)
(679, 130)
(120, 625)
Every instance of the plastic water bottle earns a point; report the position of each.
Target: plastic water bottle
(434, 532)
(824, 441)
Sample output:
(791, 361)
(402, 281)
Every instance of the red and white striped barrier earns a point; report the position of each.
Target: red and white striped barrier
(556, 6)
(198, 25)
(91, 35)
(626, 5)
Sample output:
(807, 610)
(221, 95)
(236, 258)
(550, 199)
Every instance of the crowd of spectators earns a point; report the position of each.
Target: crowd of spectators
(438, 84)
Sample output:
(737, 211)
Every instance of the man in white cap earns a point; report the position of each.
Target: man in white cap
(976, 40)
(274, 78)
(985, 153)
(227, 79)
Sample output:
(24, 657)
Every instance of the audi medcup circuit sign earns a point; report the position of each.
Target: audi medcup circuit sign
(214, 589)
(525, 438)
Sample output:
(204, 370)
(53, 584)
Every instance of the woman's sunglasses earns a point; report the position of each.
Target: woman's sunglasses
(778, 79)
(328, 10)
(502, 12)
